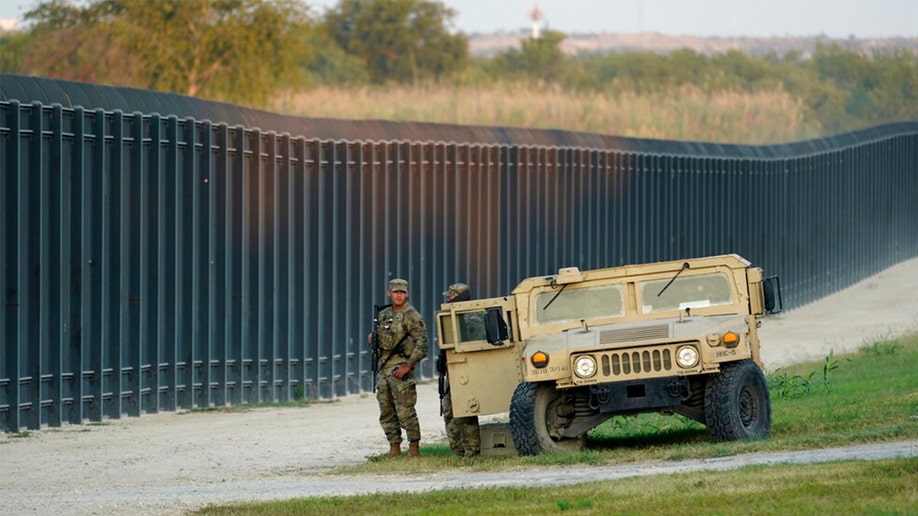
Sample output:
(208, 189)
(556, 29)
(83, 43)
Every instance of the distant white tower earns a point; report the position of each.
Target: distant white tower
(536, 13)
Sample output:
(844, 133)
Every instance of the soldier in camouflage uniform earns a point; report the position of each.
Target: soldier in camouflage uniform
(462, 432)
(402, 339)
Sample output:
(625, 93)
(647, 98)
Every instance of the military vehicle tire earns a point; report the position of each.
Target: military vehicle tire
(736, 403)
(533, 407)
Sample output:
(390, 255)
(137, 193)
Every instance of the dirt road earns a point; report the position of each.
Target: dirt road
(169, 463)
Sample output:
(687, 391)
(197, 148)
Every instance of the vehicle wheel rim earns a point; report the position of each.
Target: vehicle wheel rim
(748, 407)
(552, 419)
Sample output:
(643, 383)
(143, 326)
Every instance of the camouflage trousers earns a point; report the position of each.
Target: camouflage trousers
(397, 399)
(462, 432)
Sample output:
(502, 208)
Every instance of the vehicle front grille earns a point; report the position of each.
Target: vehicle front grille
(624, 363)
(630, 364)
(615, 335)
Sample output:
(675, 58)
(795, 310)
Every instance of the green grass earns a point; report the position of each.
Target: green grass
(878, 487)
(868, 396)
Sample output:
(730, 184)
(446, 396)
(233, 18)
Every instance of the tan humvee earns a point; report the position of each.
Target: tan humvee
(564, 353)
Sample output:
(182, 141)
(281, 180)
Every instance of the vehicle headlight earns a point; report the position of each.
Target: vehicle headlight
(585, 366)
(687, 356)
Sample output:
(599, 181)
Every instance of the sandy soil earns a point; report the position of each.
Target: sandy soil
(878, 308)
(170, 463)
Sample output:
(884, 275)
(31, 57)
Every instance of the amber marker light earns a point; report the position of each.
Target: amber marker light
(539, 359)
(731, 339)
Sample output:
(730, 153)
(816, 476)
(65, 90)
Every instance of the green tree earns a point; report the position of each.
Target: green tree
(540, 58)
(741, 72)
(399, 40)
(328, 64)
(878, 88)
(235, 50)
(63, 44)
(13, 48)
(642, 72)
(897, 98)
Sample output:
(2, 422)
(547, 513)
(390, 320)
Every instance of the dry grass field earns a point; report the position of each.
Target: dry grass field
(687, 114)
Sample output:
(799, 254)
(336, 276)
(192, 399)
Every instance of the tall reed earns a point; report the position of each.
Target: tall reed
(686, 113)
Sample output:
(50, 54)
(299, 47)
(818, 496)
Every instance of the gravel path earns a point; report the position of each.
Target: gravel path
(170, 463)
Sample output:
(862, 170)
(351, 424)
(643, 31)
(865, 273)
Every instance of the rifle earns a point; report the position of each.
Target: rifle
(442, 380)
(374, 366)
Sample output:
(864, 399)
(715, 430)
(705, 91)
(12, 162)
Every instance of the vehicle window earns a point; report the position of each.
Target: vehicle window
(446, 326)
(472, 326)
(686, 292)
(574, 304)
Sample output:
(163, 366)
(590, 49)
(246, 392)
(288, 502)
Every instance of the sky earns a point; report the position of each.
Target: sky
(726, 18)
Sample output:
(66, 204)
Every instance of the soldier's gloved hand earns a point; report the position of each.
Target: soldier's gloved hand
(401, 371)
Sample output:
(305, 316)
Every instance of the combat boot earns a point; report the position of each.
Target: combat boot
(395, 449)
(413, 450)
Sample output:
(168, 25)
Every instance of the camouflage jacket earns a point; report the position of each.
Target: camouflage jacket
(392, 327)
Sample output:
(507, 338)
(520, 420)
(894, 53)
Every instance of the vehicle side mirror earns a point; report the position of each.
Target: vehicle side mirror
(773, 302)
(495, 326)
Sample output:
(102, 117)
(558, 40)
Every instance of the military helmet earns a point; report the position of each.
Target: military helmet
(455, 289)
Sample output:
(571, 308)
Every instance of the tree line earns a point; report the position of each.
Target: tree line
(246, 51)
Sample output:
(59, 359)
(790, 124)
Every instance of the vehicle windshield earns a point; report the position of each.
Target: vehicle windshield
(576, 303)
(686, 292)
